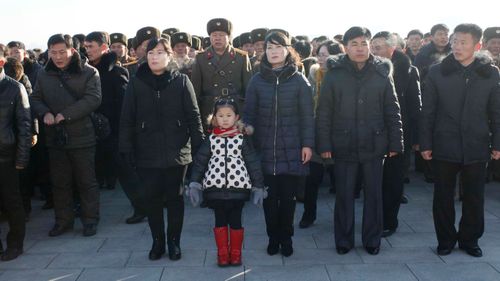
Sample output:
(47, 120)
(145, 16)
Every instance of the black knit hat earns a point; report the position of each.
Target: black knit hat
(196, 43)
(206, 42)
(146, 33)
(490, 33)
(219, 24)
(245, 38)
(259, 34)
(118, 38)
(180, 37)
(236, 42)
(170, 31)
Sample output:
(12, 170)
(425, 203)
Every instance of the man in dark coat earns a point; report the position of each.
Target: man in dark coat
(68, 90)
(407, 84)
(358, 124)
(460, 122)
(15, 144)
(31, 67)
(221, 70)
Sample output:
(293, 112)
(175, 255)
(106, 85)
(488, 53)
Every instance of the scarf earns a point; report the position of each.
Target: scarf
(230, 132)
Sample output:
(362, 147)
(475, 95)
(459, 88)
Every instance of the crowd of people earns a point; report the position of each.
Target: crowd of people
(258, 117)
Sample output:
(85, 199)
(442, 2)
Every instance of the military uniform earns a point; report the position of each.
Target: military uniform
(215, 76)
(131, 64)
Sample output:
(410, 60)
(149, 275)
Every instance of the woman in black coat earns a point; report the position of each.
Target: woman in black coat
(160, 125)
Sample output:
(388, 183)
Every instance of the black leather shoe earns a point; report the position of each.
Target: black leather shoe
(404, 199)
(273, 248)
(388, 232)
(286, 249)
(174, 250)
(305, 223)
(444, 251)
(342, 250)
(89, 229)
(372, 250)
(157, 250)
(11, 253)
(473, 251)
(135, 218)
(60, 229)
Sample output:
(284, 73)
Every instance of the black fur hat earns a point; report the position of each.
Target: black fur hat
(170, 31)
(180, 37)
(118, 38)
(146, 33)
(259, 34)
(236, 42)
(490, 33)
(245, 38)
(206, 42)
(196, 43)
(130, 43)
(219, 24)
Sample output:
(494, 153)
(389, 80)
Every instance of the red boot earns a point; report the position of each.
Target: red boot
(222, 246)
(236, 242)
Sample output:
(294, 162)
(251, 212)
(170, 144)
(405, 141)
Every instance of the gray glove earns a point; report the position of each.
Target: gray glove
(194, 193)
(258, 195)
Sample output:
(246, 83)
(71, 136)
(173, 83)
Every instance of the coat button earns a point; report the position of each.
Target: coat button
(216, 85)
(360, 101)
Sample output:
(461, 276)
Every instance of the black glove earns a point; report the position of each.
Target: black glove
(129, 158)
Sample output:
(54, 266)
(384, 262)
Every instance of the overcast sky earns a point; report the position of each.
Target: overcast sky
(32, 22)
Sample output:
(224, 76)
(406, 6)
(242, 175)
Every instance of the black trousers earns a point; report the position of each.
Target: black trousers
(392, 189)
(12, 204)
(279, 207)
(105, 163)
(227, 212)
(74, 167)
(313, 181)
(346, 174)
(472, 222)
(156, 185)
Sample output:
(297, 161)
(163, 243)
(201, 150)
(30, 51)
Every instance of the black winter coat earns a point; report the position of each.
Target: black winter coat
(228, 165)
(50, 95)
(427, 56)
(15, 122)
(279, 106)
(114, 81)
(31, 68)
(358, 115)
(461, 111)
(160, 121)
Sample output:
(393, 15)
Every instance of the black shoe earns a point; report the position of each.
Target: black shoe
(472, 251)
(174, 250)
(89, 229)
(273, 248)
(404, 199)
(135, 218)
(11, 253)
(287, 249)
(305, 223)
(1, 247)
(48, 205)
(342, 250)
(60, 229)
(157, 250)
(388, 232)
(444, 251)
(372, 250)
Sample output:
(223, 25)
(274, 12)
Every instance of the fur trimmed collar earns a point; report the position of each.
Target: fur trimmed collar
(382, 66)
(400, 61)
(145, 74)
(482, 65)
(270, 75)
(75, 65)
(107, 62)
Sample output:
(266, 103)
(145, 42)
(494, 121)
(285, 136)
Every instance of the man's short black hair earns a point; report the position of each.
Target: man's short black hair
(470, 28)
(355, 32)
(16, 44)
(439, 26)
(60, 38)
(100, 37)
(304, 48)
(415, 32)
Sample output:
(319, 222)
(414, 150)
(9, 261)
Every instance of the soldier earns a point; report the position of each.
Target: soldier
(221, 70)
(195, 46)
(142, 38)
(170, 31)
(118, 46)
(491, 42)
(258, 36)
(181, 44)
(246, 45)
(236, 42)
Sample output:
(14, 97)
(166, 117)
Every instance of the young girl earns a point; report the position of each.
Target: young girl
(227, 169)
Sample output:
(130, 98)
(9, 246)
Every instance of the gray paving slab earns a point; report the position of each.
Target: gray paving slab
(295, 273)
(190, 257)
(205, 274)
(327, 241)
(455, 272)
(400, 255)
(490, 254)
(320, 256)
(121, 274)
(126, 244)
(89, 260)
(29, 261)
(41, 275)
(370, 272)
(421, 240)
(249, 258)
(260, 241)
(63, 245)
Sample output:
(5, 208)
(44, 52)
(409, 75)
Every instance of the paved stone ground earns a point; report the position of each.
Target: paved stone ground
(119, 251)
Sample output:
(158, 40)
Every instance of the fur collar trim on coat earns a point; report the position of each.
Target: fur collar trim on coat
(382, 66)
(75, 65)
(270, 75)
(483, 65)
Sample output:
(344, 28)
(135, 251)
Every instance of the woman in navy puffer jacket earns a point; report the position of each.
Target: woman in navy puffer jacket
(279, 107)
